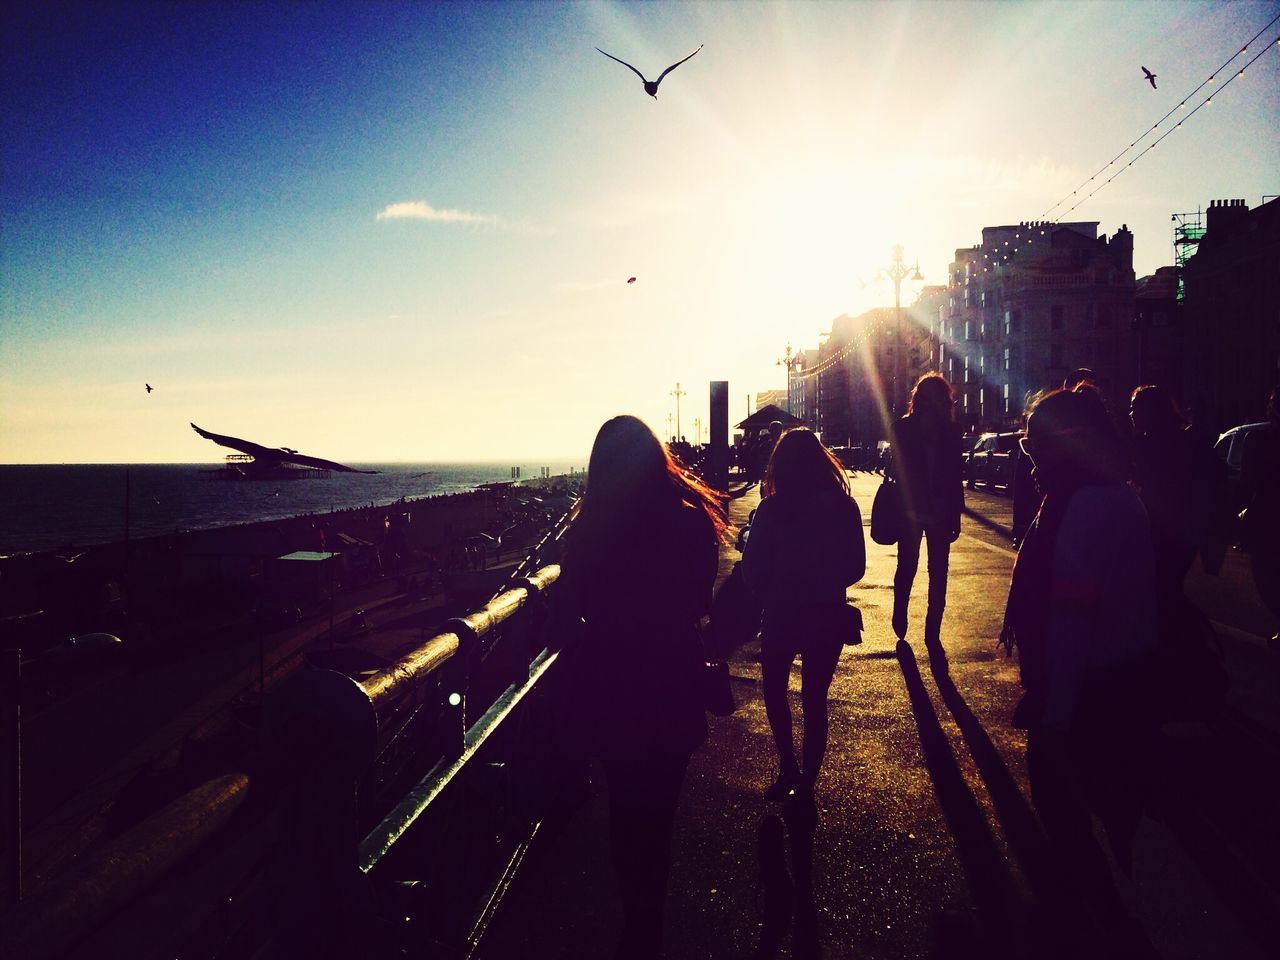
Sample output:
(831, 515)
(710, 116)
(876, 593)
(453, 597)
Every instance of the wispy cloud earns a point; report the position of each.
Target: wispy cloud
(421, 210)
(583, 286)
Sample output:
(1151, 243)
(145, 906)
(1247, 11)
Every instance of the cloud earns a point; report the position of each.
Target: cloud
(421, 210)
(583, 286)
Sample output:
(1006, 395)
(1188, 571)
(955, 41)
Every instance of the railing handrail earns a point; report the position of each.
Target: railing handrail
(49, 923)
(393, 681)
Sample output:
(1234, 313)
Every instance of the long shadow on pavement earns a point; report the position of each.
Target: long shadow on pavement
(985, 521)
(999, 907)
(1021, 826)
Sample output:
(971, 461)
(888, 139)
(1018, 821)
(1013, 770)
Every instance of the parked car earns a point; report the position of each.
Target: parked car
(991, 460)
(1230, 448)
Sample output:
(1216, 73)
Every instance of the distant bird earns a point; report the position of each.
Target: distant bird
(149, 387)
(1151, 78)
(631, 280)
(650, 86)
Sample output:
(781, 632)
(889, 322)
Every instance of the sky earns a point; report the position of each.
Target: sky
(402, 231)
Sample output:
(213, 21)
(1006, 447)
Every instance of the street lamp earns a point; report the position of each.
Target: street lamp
(677, 393)
(897, 272)
(789, 361)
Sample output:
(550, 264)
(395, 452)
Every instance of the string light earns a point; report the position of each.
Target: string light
(1207, 102)
(1181, 106)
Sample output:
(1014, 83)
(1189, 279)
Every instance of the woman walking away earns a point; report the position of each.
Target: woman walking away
(927, 462)
(1082, 613)
(638, 570)
(805, 548)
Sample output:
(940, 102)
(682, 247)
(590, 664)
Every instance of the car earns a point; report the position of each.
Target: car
(1230, 449)
(991, 460)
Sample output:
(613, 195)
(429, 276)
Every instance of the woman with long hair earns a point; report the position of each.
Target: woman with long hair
(805, 548)
(928, 462)
(1082, 614)
(638, 569)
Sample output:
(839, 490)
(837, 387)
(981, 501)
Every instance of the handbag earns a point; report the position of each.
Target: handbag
(850, 625)
(886, 514)
(717, 694)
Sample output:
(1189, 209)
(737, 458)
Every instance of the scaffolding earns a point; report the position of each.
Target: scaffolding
(1188, 229)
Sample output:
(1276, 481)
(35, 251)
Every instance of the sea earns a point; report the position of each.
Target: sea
(57, 506)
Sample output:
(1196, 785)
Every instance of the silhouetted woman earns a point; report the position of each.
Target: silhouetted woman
(1177, 478)
(1082, 613)
(638, 570)
(805, 548)
(927, 462)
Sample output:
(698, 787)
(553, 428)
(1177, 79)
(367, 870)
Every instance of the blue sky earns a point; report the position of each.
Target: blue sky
(191, 198)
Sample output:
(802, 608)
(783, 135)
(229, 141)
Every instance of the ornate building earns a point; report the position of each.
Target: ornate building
(1029, 304)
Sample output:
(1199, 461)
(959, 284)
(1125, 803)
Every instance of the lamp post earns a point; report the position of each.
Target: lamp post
(897, 272)
(789, 361)
(678, 393)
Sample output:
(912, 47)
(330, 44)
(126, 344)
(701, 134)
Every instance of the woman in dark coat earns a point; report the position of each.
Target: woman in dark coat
(805, 548)
(1082, 615)
(638, 570)
(927, 462)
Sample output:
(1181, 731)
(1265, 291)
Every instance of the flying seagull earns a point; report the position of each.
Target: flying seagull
(650, 86)
(631, 280)
(149, 387)
(1151, 77)
(266, 458)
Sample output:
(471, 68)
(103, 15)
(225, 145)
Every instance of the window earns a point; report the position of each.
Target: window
(966, 369)
(1055, 318)
(942, 354)
(982, 365)
(982, 402)
(1055, 355)
(1006, 358)
(1006, 398)
(968, 329)
(1008, 316)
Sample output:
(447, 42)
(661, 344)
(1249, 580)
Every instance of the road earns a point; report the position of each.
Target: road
(926, 844)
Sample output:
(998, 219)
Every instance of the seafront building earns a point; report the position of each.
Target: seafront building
(1231, 313)
(1028, 304)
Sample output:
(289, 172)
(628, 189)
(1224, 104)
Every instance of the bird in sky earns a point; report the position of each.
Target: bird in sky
(631, 280)
(1151, 78)
(650, 86)
(149, 387)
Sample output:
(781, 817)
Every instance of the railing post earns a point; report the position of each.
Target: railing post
(455, 684)
(322, 735)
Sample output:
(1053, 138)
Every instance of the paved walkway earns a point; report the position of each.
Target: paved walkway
(926, 844)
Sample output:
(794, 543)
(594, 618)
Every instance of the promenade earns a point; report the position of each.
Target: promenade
(925, 842)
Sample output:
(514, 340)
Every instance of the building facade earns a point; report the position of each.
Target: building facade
(1027, 305)
(1231, 316)
(855, 371)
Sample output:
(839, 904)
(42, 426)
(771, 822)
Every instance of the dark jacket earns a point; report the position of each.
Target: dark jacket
(927, 462)
(636, 666)
(801, 556)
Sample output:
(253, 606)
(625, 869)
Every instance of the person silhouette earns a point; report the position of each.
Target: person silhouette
(806, 546)
(637, 571)
(1081, 613)
(927, 461)
(1176, 478)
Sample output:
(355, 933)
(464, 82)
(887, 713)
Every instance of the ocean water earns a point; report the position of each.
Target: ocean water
(47, 506)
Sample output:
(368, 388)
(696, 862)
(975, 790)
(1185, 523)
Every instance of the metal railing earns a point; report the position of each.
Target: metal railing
(316, 780)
